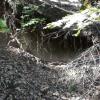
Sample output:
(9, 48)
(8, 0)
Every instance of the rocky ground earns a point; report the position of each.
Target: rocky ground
(25, 77)
(22, 79)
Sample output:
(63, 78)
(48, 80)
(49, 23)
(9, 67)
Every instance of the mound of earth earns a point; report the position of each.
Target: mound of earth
(25, 77)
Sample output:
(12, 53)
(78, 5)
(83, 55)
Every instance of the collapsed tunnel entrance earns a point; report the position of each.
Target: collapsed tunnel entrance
(58, 49)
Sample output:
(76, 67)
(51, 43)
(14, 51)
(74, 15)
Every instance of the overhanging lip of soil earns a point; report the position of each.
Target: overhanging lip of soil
(57, 78)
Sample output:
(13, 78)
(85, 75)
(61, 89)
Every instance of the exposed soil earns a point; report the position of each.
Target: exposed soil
(25, 77)
(22, 79)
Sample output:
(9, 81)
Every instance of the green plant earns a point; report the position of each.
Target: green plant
(77, 33)
(72, 87)
(33, 22)
(30, 17)
(3, 26)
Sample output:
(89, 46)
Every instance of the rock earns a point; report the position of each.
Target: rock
(64, 98)
(44, 88)
(56, 93)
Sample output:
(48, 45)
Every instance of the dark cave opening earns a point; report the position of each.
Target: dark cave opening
(58, 49)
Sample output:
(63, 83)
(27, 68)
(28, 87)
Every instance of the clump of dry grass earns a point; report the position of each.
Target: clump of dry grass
(82, 75)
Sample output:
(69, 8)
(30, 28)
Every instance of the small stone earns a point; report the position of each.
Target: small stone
(44, 88)
(56, 93)
(63, 98)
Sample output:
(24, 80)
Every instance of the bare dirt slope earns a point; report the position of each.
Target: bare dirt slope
(22, 79)
(25, 77)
